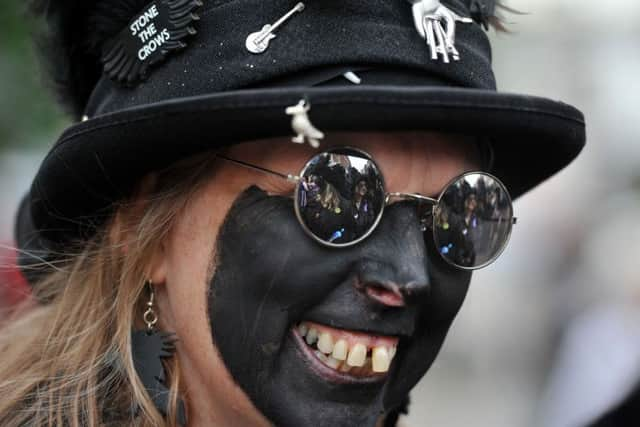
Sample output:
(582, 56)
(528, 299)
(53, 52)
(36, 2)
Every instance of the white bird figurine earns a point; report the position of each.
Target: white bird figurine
(302, 126)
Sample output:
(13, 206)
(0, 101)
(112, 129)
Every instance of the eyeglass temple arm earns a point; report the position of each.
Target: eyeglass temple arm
(288, 177)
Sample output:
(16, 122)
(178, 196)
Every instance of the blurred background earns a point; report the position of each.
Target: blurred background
(550, 334)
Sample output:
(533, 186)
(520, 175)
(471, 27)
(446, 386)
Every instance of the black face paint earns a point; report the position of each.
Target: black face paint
(270, 276)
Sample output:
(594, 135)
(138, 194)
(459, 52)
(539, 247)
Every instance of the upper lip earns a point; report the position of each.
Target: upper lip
(388, 340)
(388, 321)
(349, 307)
(358, 327)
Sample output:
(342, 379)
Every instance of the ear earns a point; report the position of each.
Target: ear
(158, 266)
(157, 272)
(123, 229)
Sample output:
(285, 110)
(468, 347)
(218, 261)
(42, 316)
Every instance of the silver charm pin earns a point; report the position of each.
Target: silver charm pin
(437, 25)
(352, 77)
(258, 42)
(303, 128)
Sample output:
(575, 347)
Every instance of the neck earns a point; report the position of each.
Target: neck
(206, 409)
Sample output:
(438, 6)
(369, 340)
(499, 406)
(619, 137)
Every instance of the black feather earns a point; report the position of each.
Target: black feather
(70, 45)
(70, 67)
(482, 11)
(109, 18)
(148, 352)
(487, 14)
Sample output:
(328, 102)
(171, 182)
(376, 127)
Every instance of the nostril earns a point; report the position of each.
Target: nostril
(416, 290)
(391, 298)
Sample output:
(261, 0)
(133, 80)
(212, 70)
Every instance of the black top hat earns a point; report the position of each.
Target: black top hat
(168, 79)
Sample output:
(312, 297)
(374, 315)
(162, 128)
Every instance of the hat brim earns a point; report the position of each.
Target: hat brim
(97, 162)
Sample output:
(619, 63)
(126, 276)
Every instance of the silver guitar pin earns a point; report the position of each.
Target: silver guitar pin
(437, 25)
(258, 42)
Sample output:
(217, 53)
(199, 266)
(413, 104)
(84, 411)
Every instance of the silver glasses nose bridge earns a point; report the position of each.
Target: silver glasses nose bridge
(389, 197)
(414, 197)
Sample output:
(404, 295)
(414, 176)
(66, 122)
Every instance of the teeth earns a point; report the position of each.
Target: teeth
(312, 336)
(380, 359)
(334, 363)
(325, 343)
(338, 355)
(357, 355)
(303, 329)
(340, 350)
(321, 356)
(345, 368)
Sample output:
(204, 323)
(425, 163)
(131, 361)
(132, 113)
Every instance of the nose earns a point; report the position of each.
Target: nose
(393, 265)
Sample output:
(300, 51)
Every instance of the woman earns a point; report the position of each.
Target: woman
(168, 224)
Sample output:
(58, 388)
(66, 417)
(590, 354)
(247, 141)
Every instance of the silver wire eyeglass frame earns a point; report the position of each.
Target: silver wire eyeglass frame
(389, 198)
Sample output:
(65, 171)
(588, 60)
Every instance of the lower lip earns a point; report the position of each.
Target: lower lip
(328, 373)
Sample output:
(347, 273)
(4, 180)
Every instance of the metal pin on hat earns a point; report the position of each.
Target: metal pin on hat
(301, 124)
(436, 24)
(258, 42)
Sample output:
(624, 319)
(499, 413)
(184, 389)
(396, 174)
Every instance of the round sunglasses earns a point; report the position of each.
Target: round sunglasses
(340, 198)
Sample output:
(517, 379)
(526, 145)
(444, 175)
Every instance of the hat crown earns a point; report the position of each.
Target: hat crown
(313, 47)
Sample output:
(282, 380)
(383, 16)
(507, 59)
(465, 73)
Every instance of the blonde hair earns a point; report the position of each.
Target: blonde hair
(65, 357)
(330, 198)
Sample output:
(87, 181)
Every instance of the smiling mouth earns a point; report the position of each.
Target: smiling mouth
(340, 355)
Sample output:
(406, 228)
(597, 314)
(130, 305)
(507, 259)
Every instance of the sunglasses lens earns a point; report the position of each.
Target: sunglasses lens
(473, 221)
(340, 197)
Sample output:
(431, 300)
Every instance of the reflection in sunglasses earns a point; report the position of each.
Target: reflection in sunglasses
(340, 198)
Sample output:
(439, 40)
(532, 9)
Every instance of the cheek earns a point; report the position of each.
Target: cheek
(260, 284)
(190, 251)
(188, 254)
(449, 289)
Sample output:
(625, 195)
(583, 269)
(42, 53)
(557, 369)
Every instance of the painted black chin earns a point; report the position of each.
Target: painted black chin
(270, 276)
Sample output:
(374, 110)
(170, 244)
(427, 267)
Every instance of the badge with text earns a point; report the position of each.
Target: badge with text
(157, 31)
